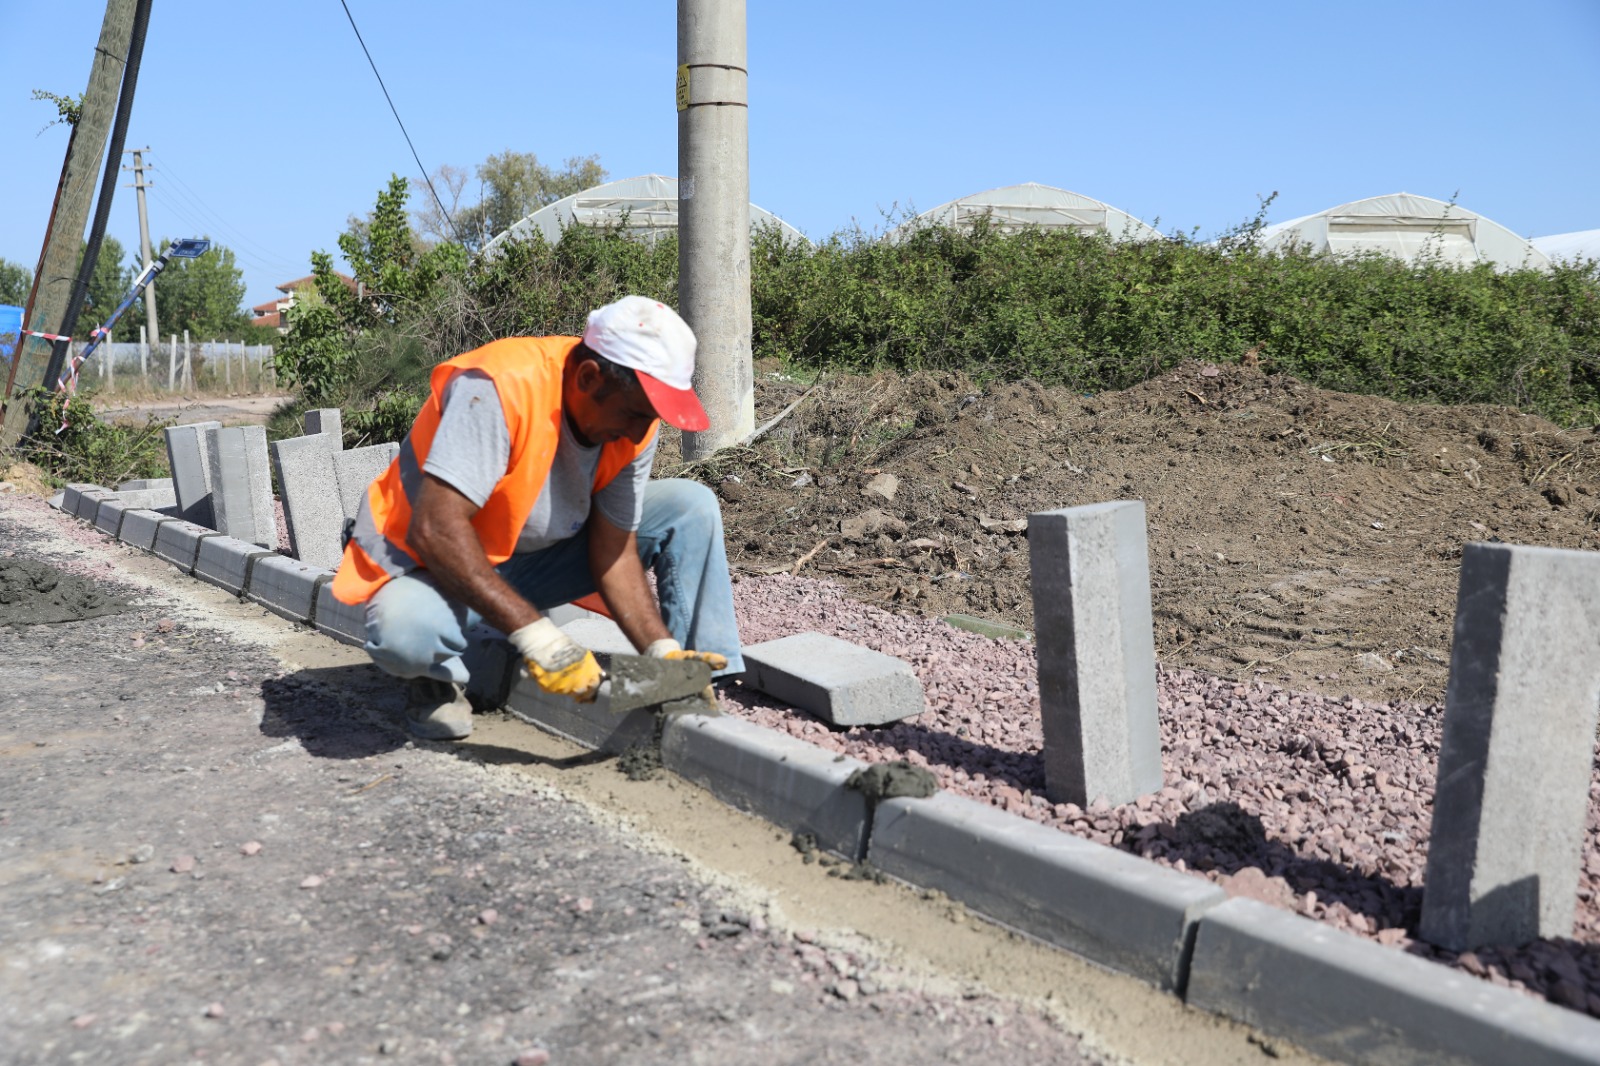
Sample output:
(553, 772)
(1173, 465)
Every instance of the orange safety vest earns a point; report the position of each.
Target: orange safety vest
(527, 373)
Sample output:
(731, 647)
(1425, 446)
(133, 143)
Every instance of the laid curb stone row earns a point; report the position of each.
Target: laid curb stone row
(1326, 990)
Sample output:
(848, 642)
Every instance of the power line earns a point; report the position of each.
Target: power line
(201, 227)
(386, 96)
(236, 238)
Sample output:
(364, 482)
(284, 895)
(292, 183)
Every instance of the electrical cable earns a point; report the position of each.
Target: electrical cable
(180, 191)
(386, 96)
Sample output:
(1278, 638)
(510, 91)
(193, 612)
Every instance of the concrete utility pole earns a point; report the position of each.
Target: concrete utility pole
(85, 149)
(139, 186)
(714, 216)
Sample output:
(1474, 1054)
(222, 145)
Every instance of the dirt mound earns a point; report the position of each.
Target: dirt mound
(32, 592)
(1310, 536)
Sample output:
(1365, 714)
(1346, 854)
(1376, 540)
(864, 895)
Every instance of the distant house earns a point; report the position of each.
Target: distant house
(273, 313)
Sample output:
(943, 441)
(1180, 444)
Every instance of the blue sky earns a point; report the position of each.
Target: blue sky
(268, 129)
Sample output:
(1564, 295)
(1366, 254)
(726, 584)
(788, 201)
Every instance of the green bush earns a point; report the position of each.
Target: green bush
(1060, 307)
(87, 449)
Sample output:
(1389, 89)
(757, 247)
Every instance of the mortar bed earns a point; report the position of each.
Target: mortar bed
(1315, 803)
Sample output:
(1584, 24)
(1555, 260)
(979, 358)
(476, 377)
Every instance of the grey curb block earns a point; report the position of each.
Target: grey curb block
(342, 622)
(1356, 1001)
(139, 528)
(227, 562)
(1123, 912)
(108, 519)
(286, 587)
(178, 542)
(1303, 981)
(792, 784)
(593, 725)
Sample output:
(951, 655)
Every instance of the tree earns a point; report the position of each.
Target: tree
(202, 295)
(512, 186)
(15, 281)
(107, 285)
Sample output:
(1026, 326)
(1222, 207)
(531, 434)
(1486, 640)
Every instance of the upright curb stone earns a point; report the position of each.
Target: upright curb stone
(241, 486)
(1515, 761)
(837, 681)
(191, 470)
(355, 470)
(326, 422)
(311, 505)
(1096, 648)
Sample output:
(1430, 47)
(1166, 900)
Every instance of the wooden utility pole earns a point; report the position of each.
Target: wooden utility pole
(85, 151)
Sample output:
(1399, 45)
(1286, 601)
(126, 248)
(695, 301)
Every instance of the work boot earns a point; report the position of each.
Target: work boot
(437, 710)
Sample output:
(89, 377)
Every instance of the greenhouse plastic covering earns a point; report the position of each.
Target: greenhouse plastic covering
(1411, 228)
(645, 207)
(1014, 207)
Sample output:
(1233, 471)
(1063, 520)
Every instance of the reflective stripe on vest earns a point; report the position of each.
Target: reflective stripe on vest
(527, 374)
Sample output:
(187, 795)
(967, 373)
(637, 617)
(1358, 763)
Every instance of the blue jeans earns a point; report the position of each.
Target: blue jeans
(415, 630)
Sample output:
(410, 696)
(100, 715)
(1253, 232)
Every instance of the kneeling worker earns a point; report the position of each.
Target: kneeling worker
(525, 484)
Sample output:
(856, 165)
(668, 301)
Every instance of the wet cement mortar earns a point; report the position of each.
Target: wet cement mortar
(207, 854)
(1317, 804)
(35, 593)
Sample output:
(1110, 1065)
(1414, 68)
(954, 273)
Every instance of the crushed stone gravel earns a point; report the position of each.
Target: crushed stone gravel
(1316, 803)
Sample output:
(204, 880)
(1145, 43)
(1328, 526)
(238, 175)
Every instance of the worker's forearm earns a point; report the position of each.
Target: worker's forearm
(456, 559)
(622, 585)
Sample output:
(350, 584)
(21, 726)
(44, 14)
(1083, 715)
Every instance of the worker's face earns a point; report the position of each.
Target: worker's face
(602, 411)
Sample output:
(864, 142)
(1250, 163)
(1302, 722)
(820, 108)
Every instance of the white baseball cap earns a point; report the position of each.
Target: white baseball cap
(649, 337)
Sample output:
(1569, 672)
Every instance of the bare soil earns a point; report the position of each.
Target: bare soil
(1303, 536)
(230, 410)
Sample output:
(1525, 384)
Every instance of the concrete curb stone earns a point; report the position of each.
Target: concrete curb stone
(792, 784)
(70, 494)
(591, 724)
(837, 681)
(178, 542)
(108, 519)
(139, 528)
(1356, 1001)
(342, 622)
(286, 587)
(226, 562)
(1113, 908)
(89, 501)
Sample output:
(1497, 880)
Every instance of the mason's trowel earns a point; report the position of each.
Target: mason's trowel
(634, 681)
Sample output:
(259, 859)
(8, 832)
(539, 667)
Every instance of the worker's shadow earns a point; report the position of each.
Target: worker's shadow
(357, 711)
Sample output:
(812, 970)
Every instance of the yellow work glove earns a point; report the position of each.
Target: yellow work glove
(556, 662)
(667, 648)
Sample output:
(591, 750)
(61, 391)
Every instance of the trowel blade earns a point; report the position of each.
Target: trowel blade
(636, 681)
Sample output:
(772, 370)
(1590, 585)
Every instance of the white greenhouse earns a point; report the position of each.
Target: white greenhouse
(645, 207)
(1016, 207)
(1408, 227)
(1570, 247)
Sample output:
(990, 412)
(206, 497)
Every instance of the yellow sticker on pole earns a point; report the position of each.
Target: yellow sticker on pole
(683, 87)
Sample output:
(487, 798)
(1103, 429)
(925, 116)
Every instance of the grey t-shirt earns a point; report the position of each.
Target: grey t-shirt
(472, 447)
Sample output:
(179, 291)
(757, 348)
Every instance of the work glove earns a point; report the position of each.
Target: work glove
(667, 648)
(556, 662)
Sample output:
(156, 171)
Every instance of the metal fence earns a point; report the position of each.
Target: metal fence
(177, 364)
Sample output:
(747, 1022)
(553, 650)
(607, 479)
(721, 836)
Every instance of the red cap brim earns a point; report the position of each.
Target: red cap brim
(677, 407)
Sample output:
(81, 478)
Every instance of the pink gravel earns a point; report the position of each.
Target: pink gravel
(1314, 803)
